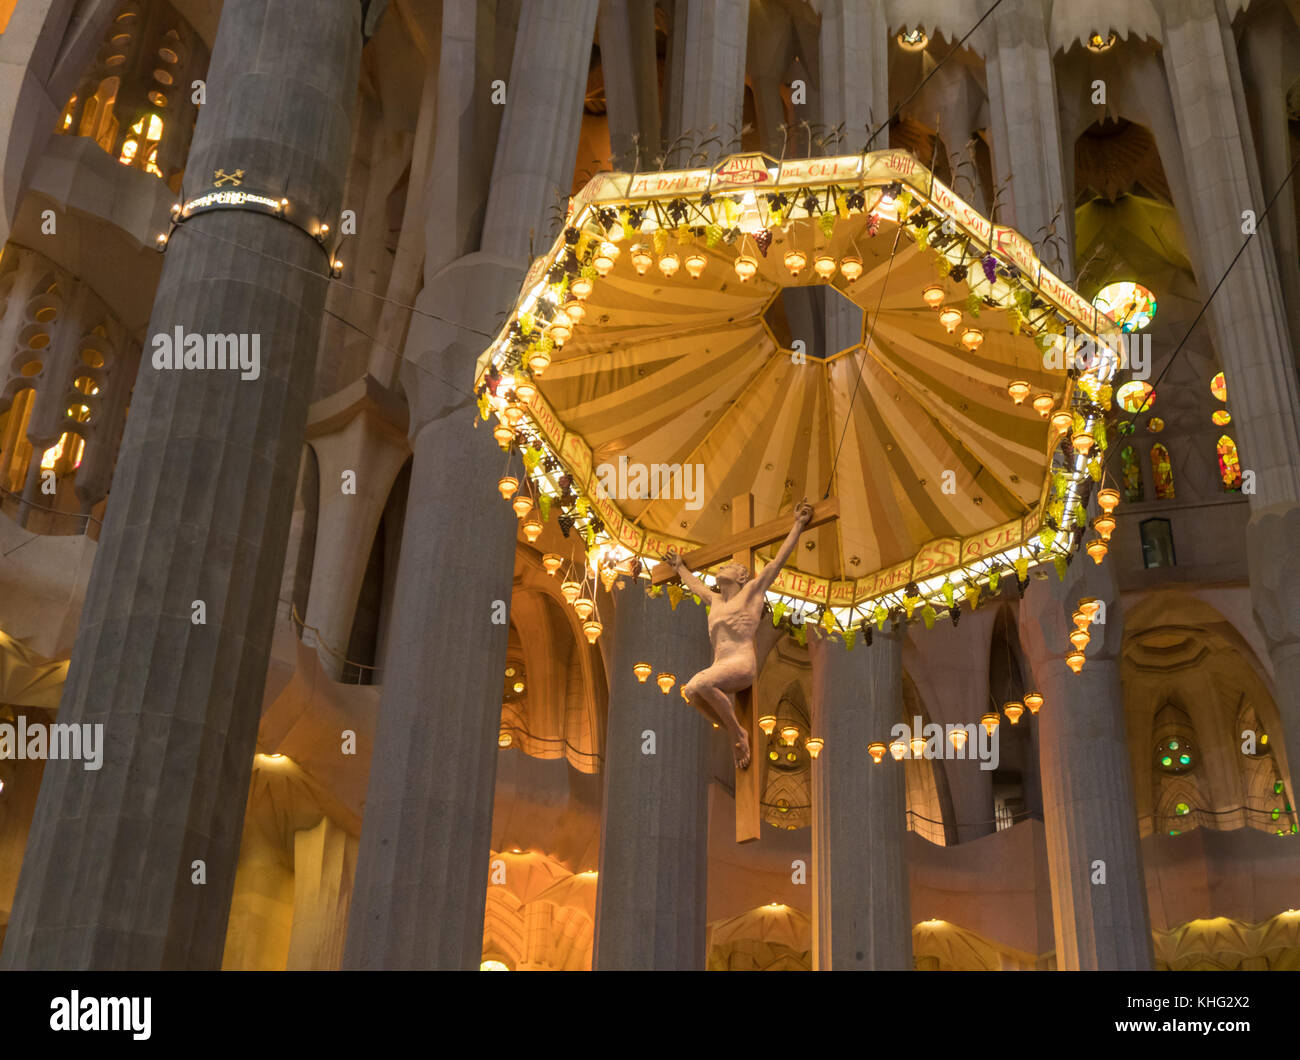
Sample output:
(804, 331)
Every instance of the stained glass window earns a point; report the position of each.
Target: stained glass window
(1136, 396)
(1129, 304)
(1131, 470)
(1155, 425)
(1229, 466)
(1162, 473)
(1221, 418)
(1218, 387)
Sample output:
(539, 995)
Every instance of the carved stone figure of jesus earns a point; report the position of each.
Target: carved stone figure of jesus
(737, 609)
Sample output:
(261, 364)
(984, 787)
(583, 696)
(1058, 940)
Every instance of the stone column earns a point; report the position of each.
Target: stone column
(1099, 896)
(1249, 324)
(862, 909)
(1026, 130)
(200, 510)
(854, 92)
(627, 52)
(650, 904)
(324, 859)
(422, 866)
(708, 88)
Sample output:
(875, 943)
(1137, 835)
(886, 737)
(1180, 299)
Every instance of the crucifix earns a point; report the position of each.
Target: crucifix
(725, 692)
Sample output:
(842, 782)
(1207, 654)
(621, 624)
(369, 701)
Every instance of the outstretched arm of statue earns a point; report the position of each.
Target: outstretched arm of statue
(674, 560)
(802, 516)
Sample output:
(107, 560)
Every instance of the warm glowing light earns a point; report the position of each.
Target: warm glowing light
(917, 744)
(824, 266)
(1080, 638)
(695, 262)
(669, 264)
(1098, 43)
(1019, 390)
(933, 296)
(789, 733)
(971, 338)
(665, 682)
(1013, 711)
(522, 505)
(1129, 304)
(1075, 660)
(525, 391)
(503, 434)
(538, 361)
(584, 606)
(898, 749)
(795, 260)
(561, 327)
(1090, 606)
(1034, 701)
(814, 745)
(950, 317)
(494, 966)
(642, 671)
(576, 311)
(1097, 549)
(1081, 619)
(642, 259)
(958, 737)
(581, 287)
(1104, 525)
(913, 40)
(767, 723)
(989, 721)
(606, 255)
(513, 414)
(851, 267)
(877, 751)
(1062, 420)
(592, 628)
(1108, 499)
(1082, 442)
(570, 591)
(746, 267)
(532, 528)
(504, 739)
(508, 484)
(1043, 404)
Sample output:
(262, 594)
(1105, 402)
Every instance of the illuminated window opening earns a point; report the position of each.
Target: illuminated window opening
(1229, 465)
(1162, 472)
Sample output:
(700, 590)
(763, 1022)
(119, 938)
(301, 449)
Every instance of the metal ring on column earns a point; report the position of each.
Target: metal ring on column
(252, 202)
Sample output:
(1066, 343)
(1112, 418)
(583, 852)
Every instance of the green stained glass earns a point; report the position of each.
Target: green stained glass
(1174, 831)
(1277, 787)
(1182, 808)
(1166, 761)
(1276, 813)
(1185, 759)
(1173, 745)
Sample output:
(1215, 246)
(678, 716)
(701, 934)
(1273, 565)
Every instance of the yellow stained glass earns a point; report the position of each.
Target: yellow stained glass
(1218, 387)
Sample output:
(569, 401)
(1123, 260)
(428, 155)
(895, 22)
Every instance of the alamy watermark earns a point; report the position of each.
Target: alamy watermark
(973, 741)
(635, 481)
(1071, 350)
(37, 740)
(191, 350)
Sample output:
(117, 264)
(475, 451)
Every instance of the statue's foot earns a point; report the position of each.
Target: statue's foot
(741, 750)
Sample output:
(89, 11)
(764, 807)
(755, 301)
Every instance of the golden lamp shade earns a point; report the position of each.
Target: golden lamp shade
(584, 606)
(538, 361)
(768, 724)
(525, 390)
(1043, 404)
(1082, 442)
(592, 628)
(933, 296)
(1075, 660)
(814, 745)
(695, 262)
(950, 318)
(641, 259)
(990, 722)
(971, 338)
(1013, 710)
(532, 527)
(522, 504)
(581, 287)
(1105, 525)
(824, 266)
(1034, 701)
(504, 739)
(1080, 638)
(552, 563)
(851, 267)
(642, 671)
(789, 733)
(795, 260)
(1089, 606)
(1108, 499)
(1097, 549)
(669, 264)
(898, 748)
(917, 745)
(665, 682)
(503, 435)
(1062, 420)
(958, 737)
(1019, 390)
(877, 751)
(746, 267)
(508, 484)
(570, 591)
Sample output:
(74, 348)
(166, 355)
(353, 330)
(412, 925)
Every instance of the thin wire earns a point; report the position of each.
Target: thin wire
(952, 51)
(848, 414)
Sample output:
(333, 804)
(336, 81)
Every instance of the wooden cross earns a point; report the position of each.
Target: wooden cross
(741, 547)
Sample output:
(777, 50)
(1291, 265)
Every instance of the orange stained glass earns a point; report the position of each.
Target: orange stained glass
(1162, 473)
(1229, 465)
(1218, 387)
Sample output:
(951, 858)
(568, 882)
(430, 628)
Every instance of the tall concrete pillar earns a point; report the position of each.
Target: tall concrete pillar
(1026, 129)
(627, 53)
(650, 904)
(862, 910)
(1099, 897)
(854, 93)
(1249, 323)
(422, 866)
(200, 510)
(707, 76)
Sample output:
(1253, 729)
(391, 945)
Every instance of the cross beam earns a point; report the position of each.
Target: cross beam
(746, 540)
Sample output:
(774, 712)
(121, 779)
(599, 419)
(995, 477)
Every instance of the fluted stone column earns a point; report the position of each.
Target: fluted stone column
(1099, 897)
(1026, 129)
(861, 898)
(422, 866)
(627, 53)
(200, 510)
(650, 905)
(707, 76)
(855, 93)
(324, 859)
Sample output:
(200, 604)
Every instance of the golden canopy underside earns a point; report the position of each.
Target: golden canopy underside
(688, 371)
